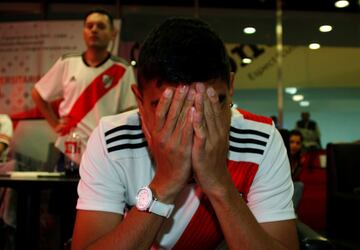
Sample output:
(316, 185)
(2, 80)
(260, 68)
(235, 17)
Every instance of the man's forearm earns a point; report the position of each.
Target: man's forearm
(45, 109)
(137, 231)
(239, 226)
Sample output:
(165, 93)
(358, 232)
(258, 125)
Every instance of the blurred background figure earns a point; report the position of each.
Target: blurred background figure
(310, 132)
(7, 209)
(6, 132)
(298, 161)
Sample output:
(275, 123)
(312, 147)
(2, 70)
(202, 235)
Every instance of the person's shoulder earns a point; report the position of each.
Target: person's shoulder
(123, 135)
(4, 118)
(71, 56)
(249, 135)
(120, 60)
(246, 119)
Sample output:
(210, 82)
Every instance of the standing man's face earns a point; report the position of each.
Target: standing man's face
(97, 31)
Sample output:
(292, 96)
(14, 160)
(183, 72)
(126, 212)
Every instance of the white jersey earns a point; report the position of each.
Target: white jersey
(6, 132)
(88, 93)
(117, 163)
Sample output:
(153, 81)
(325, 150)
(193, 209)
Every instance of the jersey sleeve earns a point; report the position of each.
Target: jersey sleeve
(50, 86)
(270, 196)
(100, 187)
(127, 98)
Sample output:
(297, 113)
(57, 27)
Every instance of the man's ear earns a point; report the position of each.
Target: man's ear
(138, 95)
(231, 83)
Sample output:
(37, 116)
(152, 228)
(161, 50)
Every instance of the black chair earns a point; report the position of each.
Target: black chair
(309, 239)
(343, 196)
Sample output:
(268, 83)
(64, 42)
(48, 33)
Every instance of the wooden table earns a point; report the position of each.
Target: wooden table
(28, 203)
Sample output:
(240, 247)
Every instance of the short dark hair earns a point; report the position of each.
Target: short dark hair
(103, 12)
(183, 50)
(296, 133)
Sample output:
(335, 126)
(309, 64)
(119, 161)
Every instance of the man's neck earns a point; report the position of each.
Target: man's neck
(94, 57)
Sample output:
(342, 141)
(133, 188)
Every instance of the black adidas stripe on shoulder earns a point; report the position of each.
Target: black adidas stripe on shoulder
(127, 146)
(123, 127)
(249, 131)
(250, 145)
(247, 140)
(129, 137)
(246, 150)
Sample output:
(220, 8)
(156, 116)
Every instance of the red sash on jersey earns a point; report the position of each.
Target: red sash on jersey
(204, 231)
(102, 84)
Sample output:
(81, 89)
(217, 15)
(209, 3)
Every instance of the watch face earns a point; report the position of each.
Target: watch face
(143, 199)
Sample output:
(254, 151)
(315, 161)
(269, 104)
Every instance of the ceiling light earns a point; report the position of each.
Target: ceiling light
(133, 62)
(304, 103)
(291, 90)
(341, 4)
(314, 46)
(249, 30)
(325, 28)
(298, 98)
(246, 60)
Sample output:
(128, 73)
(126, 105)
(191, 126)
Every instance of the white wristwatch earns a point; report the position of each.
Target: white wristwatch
(145, 201)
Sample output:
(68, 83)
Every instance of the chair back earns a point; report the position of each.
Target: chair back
(343, 167)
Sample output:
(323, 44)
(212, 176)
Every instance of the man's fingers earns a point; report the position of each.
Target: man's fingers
(182, 126)
(176, 107)
(215, 107)
(163, 108)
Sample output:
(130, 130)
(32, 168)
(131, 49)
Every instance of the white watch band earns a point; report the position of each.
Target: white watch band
(145, 201)
(160, 208)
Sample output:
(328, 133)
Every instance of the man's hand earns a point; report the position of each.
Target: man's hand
(210, 148)
(171, 142)
(64, 126)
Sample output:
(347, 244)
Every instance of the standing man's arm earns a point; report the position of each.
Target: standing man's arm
(45, 109)
(60, 126)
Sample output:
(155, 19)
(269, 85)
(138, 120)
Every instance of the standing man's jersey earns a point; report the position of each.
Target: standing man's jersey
(88, 92)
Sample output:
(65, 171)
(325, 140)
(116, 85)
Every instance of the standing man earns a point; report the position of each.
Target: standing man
(185, 171)
(91, 85)
(310, 132)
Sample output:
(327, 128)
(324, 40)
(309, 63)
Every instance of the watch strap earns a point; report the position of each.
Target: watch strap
(160, 208)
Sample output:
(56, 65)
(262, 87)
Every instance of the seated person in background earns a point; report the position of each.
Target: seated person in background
(6, 132)
(7, 209)
(298, 161)
(185, 171)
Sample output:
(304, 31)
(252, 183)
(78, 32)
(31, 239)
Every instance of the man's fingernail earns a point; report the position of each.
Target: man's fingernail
(210, 92)
(191, 95)
(168, 93)
(200, 87)
(183, 89)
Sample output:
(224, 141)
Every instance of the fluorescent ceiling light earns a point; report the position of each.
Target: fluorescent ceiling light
(246, 60)
(314, 46)
(325, 28)
(298, 98)
(304, 103)
(341, 4)
(291, 90)
(249, 30)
